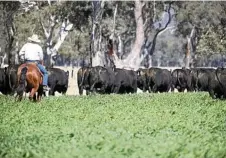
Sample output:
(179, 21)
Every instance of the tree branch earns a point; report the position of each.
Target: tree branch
(160, 30)
(44, 29)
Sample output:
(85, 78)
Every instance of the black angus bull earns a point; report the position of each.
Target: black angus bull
(200, 78)
(159, 80)
(83, 79)
(57, 80)
(142, 79)
(11, 72)
(217, 83)
(125, 81)
(181, 80)
(101, 79)
(8, 79)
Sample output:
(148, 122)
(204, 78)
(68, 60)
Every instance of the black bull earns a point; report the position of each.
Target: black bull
(83, 79)
(106, 80)
(181, 79)
(57, 80)
(154, 80)
(200, 78)
(8, 79)
(217, 83)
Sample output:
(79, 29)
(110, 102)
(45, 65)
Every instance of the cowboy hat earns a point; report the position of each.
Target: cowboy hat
(34, 38)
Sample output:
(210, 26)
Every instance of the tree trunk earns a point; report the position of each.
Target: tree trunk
(188, 53)
(150, 61)
(134, 57)
(97, 56)
(150, 44)
(190, 48)
(9, 9)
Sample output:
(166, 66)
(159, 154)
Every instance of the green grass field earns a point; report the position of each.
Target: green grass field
(189, 125)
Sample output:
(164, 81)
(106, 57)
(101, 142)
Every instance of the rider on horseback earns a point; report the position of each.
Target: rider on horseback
(32, 52)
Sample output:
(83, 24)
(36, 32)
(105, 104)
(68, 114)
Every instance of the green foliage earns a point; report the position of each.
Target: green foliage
(207, 18)
(26, 25)
(140, 125)
(7, 11)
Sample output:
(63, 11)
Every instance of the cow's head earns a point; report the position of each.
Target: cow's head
(141, 77)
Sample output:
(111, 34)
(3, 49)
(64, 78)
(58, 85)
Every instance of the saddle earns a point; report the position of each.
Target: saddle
(34, 64)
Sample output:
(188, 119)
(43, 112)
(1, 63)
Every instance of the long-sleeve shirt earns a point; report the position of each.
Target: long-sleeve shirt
(31, 51)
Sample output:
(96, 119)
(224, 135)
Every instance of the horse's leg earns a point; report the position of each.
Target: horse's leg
(35, 97)
(33, 91)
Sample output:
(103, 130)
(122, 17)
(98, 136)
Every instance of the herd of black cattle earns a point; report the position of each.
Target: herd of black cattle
(114, 80)
(57, 81)
(105, 80)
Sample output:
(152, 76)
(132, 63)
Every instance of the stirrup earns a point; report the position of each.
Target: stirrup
(46, 88)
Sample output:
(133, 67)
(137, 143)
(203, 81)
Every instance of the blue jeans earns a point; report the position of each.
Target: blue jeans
(44, 72)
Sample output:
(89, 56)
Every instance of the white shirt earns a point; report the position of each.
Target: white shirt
(31, 51)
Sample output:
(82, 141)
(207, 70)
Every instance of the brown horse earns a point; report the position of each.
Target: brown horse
(29, 80)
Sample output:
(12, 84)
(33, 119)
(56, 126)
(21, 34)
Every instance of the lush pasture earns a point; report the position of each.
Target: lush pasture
(141, 125)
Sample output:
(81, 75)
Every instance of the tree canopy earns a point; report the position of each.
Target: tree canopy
(204, 22)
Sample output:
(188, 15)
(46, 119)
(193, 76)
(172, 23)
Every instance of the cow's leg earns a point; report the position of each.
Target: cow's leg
(40, 92)
(134, 89)
(144, 89)
(172, 87)
(155, 88)
(181, 89)
(211, 93)
(116, 89)
(112, 88)
(168, 88)
(64, 93)
(190, 88)
(87, 92)
(34, 97)
(51, 91)
(92, 88)
(218, 95)
(80, 90)
(149, 89)
(103, 88)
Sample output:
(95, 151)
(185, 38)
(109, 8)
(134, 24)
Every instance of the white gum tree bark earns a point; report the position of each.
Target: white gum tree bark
(66, 26)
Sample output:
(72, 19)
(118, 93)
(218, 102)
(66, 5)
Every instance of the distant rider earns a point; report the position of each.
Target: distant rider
(32, 52)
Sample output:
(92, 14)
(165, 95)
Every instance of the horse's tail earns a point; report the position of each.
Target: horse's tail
(22, 81)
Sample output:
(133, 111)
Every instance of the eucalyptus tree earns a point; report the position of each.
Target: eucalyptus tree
(7, 31)
(203, 23)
